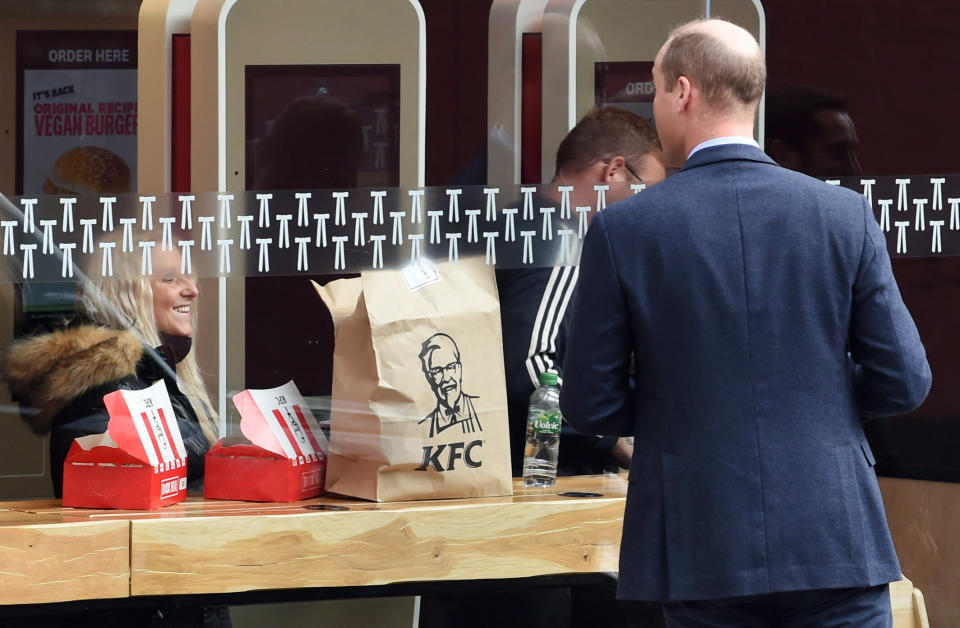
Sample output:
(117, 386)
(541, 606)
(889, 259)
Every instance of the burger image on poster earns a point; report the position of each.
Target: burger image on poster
(88, 170)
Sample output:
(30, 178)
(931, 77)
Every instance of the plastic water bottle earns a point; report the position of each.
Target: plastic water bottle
(543, 434)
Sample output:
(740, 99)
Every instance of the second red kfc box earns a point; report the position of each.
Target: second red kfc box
(282, 456)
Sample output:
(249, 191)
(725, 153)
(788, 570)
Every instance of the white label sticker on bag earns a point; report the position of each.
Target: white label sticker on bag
(419, 274)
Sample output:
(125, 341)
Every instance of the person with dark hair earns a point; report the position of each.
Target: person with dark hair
(609, 145)
(609, 141)
(758, 309)
(811, 131)
(315, 141)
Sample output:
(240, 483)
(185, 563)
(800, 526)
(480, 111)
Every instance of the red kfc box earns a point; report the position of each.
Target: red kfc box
(139, 463)
(283, 457)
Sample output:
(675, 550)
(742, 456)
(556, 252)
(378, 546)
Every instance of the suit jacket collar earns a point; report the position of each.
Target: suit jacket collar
(726, 152)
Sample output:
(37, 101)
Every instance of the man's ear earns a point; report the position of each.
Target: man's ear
(617, 164)
(683, 89)
(784, 154)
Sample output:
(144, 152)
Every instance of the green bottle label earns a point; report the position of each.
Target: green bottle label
(546, 422)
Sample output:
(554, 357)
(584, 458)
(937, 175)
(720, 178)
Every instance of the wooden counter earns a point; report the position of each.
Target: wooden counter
(44, 558)
(226, 547)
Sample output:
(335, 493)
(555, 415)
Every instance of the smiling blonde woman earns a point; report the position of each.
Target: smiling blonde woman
(131, 330)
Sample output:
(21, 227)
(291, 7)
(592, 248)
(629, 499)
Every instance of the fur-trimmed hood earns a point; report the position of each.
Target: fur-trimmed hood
(47, 371)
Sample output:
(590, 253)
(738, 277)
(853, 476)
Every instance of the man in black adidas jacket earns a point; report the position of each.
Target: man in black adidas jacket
(608, 146)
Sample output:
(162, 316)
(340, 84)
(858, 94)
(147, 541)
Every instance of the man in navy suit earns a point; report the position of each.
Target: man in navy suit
(764, 321)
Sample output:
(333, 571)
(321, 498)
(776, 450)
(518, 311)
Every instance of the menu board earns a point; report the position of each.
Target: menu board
(625, 84)
(76, 112)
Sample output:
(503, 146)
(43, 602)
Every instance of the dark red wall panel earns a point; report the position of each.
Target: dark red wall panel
(180, 122)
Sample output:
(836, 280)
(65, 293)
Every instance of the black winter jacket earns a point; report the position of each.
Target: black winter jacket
(60, 379)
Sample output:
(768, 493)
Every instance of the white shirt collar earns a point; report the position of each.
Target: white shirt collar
(722, 141)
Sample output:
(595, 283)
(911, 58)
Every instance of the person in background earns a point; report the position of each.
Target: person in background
(131, 331)
(608, 146)
(315, 142)
(811, 131)
(760, 312)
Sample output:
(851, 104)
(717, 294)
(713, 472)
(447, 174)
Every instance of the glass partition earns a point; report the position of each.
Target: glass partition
(53, 245)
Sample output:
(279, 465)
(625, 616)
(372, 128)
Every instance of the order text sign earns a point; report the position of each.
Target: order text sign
(625, 84)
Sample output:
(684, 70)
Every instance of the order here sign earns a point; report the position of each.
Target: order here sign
(77, 112)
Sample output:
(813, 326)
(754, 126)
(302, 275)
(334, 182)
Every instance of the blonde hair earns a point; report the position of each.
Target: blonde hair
(125, 301)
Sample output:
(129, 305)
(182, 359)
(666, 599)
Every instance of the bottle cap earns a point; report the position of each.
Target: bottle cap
(548, 379)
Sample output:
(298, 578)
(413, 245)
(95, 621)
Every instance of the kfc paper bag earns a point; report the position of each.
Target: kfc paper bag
(419, 398)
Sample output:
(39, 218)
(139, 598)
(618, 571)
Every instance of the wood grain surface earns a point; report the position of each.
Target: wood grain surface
(53, 554)
(43, 559)
(234, 546)
(49, 553)
(906, 601)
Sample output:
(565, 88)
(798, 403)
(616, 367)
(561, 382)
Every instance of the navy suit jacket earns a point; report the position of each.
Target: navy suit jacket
(762, 313)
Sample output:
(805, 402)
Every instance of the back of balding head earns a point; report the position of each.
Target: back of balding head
(721, 59)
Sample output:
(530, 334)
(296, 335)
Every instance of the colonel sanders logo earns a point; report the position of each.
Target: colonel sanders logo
(440, 360)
